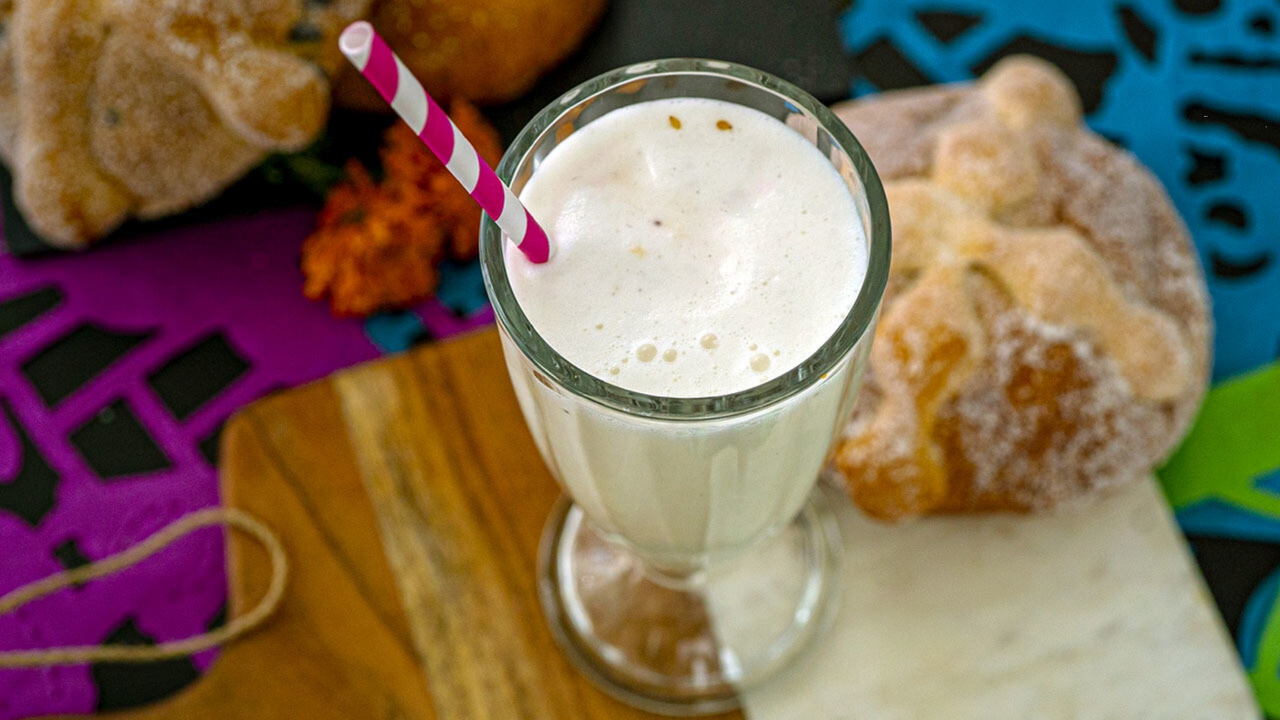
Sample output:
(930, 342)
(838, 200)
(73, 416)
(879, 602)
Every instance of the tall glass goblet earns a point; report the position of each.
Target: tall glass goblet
(694, 556)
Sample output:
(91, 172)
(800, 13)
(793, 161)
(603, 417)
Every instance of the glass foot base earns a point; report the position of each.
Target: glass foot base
(687, 646)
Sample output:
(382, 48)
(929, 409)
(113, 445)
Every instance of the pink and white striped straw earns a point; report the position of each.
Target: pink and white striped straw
(387, 73)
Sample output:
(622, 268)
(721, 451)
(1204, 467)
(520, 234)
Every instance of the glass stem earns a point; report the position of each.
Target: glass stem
(681, 576)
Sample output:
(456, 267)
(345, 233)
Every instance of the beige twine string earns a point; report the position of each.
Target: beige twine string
(209, 517)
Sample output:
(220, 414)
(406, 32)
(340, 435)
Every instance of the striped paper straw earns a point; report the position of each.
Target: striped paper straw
(387, 73)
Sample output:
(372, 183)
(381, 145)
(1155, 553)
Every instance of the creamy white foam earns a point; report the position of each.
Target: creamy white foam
(693, 261)
(700, 248)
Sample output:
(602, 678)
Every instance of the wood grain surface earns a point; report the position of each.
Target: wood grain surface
(438, 440)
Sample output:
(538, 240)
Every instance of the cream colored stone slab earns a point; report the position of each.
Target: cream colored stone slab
(1088, 613)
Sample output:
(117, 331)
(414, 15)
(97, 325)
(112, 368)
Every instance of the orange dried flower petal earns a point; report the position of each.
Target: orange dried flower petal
(376, 246)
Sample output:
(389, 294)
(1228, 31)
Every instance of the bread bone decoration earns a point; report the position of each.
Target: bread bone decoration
(1045, 329)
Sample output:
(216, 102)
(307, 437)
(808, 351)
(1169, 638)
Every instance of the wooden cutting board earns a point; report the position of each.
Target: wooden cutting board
(440, 429)
(410, 488)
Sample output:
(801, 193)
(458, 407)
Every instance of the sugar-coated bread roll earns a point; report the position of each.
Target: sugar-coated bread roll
(486, 51)
(1045, 331)
(111, 109)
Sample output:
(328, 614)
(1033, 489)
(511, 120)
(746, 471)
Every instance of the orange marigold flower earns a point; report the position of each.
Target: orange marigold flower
(376, 246)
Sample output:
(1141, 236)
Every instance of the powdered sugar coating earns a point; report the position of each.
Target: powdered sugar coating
(1045, 331)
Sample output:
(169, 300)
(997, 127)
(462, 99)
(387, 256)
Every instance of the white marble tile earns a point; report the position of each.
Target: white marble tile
(1088, 613)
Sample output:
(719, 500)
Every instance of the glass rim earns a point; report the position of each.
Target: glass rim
(853, 327)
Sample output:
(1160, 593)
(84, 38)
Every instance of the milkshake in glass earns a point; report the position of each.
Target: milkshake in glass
(685, 361)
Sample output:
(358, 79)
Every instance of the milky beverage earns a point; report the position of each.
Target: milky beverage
(701, 248)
